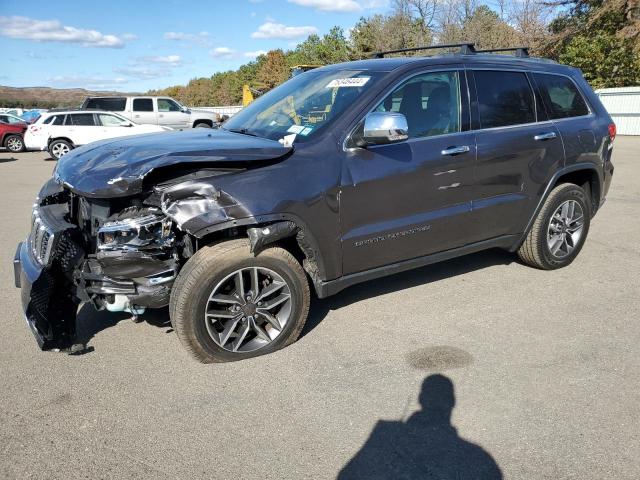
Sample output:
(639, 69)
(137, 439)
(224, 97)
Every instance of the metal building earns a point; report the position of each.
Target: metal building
(623, 104)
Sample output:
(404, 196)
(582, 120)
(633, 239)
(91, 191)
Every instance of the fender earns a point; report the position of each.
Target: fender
(569, 169)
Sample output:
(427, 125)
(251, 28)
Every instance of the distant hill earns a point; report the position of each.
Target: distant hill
(45, 97)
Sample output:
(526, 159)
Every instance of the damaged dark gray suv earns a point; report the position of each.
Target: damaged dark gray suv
(343, 174)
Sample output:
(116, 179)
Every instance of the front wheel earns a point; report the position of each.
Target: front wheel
(228, 304)
(560, 229)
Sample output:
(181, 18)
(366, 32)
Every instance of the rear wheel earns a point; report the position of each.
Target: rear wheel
(202, 125)
(560, 229)
(14, 143)
(59, 148)
(228, 304)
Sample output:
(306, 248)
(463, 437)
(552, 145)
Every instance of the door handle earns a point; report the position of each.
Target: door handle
(137, 116)
(455, 150)
(161, 115)
(545, 136)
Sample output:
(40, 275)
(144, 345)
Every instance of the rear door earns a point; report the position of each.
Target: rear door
(519, 149)
(143, 111)
(82, 128)
(413, 198)
(170, 114)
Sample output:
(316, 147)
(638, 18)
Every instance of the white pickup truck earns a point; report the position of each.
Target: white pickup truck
(163, 111)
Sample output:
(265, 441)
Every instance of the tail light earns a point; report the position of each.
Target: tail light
(612, 131)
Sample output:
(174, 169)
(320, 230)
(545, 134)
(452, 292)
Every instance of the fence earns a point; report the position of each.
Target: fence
(229, 110)
(623, 104)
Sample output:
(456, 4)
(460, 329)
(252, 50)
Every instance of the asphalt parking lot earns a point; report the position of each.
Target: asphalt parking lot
(544, 368)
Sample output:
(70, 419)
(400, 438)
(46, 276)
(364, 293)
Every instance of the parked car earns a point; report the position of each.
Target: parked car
(163, 111)
(12, 119)
(11, 135)
(343, 174)
(59, 132)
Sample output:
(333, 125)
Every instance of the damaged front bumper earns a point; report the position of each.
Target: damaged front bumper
(50, 318)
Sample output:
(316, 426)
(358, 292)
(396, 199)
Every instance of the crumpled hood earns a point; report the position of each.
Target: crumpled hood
(116, 168)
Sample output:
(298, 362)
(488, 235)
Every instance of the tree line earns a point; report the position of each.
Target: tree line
(601, 37)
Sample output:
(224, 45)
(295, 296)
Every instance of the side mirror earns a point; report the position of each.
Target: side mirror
(126, 123)
(186, 110)
(381, 128)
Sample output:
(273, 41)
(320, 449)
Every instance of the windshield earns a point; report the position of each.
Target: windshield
(303, 105)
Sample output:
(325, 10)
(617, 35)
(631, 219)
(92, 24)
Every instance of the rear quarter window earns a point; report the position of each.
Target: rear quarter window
(561, 96)
(504, 98)
(116, 104)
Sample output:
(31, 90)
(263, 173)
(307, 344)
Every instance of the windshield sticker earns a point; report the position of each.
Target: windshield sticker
(295, 129)
(348, 82)
(306, 131)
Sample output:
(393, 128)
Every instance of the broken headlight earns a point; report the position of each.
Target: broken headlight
(149, 231)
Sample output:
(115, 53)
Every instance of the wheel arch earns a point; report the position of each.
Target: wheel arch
(66, 139)
(202, 120)
(579, 174)
(296, 238)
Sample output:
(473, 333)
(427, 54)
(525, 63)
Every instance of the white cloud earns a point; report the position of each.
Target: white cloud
(201, 39)
(278, 30)
(222, 52)
(255, 54)
(129, 36)
(53, 31)
(86, 81)
(141, 71)
(330, 5)
(172, 60)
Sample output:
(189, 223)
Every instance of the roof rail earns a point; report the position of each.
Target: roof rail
(519, 51)
(466, 48)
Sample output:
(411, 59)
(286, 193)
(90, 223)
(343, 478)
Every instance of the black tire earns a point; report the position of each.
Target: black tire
(535, 250)
(202, 125)
(14, 143)
(209, 266)
(56, 146)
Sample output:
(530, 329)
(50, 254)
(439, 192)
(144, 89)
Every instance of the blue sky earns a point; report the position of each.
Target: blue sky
(138, 45)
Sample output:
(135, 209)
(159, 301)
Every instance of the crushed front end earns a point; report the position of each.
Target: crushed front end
(118, 254)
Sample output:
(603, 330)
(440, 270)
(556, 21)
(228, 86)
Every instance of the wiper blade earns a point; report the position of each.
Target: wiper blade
(242, 131)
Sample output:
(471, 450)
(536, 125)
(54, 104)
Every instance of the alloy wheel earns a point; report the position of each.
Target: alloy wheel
(565, 228)
(59, 149)
(14, 144)
(248, 309)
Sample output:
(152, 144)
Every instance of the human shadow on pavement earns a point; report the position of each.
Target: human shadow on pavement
(426, 446)
(320, 308)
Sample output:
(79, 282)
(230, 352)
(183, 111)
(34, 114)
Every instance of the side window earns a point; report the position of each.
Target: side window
(4, 119)
(109, 120)
(167, 105)
(430, 102)
(113, 104)
(561, 96)
(80, 120)
(56, 120)
(143, 105)
(504, 98)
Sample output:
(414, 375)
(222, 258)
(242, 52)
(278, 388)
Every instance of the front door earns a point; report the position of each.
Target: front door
(519, 150)
(413, 198)
(170, 114)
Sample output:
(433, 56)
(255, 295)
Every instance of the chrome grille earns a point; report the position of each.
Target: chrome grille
(41, 239)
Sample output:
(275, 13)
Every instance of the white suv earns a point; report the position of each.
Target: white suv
(60, 132)
(154, 110)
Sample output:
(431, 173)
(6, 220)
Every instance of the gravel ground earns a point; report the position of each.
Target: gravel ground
(540, 368)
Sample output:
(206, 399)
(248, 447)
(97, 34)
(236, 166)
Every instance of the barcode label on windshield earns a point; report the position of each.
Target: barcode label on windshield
(347, 82)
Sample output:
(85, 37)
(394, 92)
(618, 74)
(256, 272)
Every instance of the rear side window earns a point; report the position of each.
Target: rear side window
(143, 105)
(504, 98)
(115, 104)
(561, 96)
(54, 120)
(80, 120)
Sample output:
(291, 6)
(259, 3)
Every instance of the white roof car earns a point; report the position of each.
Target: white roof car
(61, 131)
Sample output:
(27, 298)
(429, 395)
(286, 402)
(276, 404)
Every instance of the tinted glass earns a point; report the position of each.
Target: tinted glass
(4, 119)
(166, 105)
(57, 120)
(80, 120)
(109, 120)
(561, 96)
(504, 98)
(430, 103)
(115, 104)
(143, 105)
